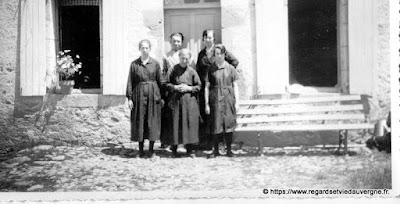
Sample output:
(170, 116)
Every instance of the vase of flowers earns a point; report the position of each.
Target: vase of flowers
(67, 66)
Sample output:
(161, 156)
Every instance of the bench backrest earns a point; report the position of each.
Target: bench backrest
(337, 112)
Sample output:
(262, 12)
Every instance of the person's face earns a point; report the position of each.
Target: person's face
(145, 49)
(176, 43)
(219, 56)
(209, 39)
(184, 59)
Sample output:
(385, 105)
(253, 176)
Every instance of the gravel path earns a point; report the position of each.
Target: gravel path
(46, 168)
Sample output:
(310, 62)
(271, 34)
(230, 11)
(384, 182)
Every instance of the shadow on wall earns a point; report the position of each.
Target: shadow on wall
(366, 104)
(18, 63)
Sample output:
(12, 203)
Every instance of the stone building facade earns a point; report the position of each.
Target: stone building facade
(256, 31)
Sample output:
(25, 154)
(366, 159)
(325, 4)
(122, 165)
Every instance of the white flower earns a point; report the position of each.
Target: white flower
(65, 63)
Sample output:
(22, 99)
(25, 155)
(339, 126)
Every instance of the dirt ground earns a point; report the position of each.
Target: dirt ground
(47, 168)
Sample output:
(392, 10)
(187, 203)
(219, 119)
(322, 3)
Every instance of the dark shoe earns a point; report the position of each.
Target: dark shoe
(163, 146)
(141, 154)
(370, 143)
(230, 154)
(176, 155)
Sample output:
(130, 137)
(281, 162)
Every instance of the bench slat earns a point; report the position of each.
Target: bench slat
(316, 127)
(309, 109)
(301, 100)
(262, 119)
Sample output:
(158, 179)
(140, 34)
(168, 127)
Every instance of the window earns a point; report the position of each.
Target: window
(79, 29)
(43, 32)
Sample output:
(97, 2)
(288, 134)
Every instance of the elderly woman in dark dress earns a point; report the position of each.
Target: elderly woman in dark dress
(170, 59)
(184, 85)
(221, 93)
(204, 61)
(144, 99)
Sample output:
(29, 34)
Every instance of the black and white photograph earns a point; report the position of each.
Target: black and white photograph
(199, 100)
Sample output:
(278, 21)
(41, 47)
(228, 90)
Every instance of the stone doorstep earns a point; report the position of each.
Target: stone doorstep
(9, 166)
(35, 187)
(18, 159)
(43, 147)
(23, 183)
(58, 158)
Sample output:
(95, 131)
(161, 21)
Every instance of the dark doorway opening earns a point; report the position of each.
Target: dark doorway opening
(313, 43)
(80, 33)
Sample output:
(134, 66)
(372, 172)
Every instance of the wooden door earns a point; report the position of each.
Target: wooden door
(191, 23)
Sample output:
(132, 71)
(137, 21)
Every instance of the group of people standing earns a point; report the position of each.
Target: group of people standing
(184, 102)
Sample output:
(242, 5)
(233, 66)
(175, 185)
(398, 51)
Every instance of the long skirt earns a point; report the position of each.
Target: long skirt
(183, 112)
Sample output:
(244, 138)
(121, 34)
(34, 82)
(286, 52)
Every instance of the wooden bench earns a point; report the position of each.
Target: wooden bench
(336, 112)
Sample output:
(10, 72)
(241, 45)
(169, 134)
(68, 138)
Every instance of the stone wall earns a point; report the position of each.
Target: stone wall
(239, 37)
(380, 101)
(8, 58)
(88, 119)
(9, 16)
(145, 21)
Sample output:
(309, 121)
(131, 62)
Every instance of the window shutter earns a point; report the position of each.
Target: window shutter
(114, 51)
(33, 48)
(272, 46)
(362, 45)
(52, 42)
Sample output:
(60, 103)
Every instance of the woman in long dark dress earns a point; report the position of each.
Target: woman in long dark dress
(204, 61)
(221, 93)
(144, 99)
(184, 85)
(170, 59)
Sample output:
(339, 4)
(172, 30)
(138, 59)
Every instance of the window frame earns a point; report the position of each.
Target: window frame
(59, 27)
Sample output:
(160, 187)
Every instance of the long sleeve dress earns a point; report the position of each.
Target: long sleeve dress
(222, 98)
(143, 88)
(184, 108)
(202, 66)
(170, 59)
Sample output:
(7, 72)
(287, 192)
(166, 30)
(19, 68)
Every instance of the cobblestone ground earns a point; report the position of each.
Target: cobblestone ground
(47, 168)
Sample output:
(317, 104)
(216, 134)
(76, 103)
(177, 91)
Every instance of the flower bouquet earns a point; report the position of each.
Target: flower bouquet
(67, 66)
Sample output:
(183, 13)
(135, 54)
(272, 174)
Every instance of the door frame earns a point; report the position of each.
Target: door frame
(342, 85)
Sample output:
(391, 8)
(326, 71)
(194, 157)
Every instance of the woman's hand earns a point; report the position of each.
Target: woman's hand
(178, 88)
(207, 109)
(130, 104)
(186, 88)
(183, 88)
(162, 103)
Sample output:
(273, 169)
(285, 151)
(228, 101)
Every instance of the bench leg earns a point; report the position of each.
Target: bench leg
(345, 142)
(260, 146)
(341, 138)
